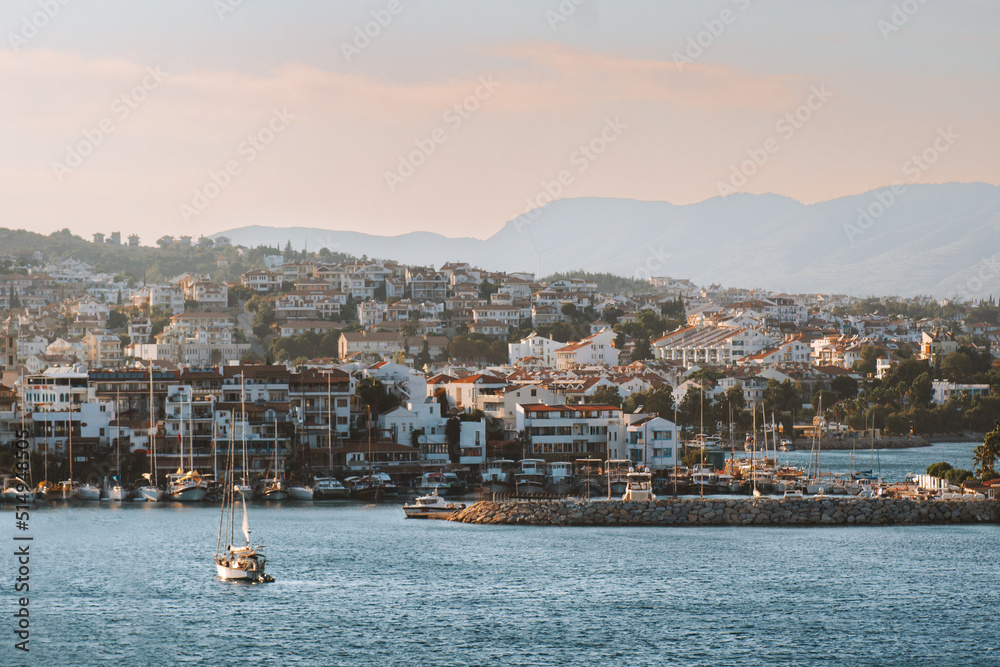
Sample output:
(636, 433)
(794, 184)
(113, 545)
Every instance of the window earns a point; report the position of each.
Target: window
(534, 392)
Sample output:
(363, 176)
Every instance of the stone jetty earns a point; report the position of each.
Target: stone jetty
(811, 511)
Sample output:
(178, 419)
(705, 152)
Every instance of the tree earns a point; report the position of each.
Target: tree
(844, 386)
(986, 454)
(825, 398)
(605, 395)
(921, 391)
(938, 469)
(453, 438)
(641, 350)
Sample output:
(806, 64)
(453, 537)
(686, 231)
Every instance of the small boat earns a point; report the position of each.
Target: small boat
(329, 488)
(431, 505)
(639, 487)
(390, 487)
(147, 490)
(62, 490)
(786, 446)
(300, 492)
(17, 491)
(88, 492)
(273, 489)
(186, 487)
(243, 563)
(793, 493)
(367, 487)
(118, 493)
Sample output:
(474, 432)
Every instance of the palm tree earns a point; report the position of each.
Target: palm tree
(987, 453)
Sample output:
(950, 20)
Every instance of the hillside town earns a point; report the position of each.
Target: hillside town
(364, 364)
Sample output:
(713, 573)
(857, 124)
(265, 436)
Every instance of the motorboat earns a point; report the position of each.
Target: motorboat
(639, 487)
(786, 446)
(329, 488)
(431, 505)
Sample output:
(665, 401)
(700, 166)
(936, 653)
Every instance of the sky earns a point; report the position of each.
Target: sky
(191, 117)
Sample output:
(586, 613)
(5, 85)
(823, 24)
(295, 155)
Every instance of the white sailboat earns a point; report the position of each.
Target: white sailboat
(186, 487)
(117, 491)
(150, 491)
(232, 562)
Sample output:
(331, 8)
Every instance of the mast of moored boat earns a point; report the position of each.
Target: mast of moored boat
(329, 423)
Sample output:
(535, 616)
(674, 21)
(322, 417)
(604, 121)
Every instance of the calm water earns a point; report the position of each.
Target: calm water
(361, 585)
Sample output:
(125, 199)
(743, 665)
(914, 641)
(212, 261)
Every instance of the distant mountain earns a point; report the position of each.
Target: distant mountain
(942, 240)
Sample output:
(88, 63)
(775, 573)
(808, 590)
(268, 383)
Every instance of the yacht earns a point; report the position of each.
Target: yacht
(186, 487)
(441, 483)
(786, 446)
(273, 489)
(431, 505)
(329, 488)
(88, 491)
(639, 487)
(365, 487)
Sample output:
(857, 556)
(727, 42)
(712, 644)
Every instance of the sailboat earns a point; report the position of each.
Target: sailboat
(187, 486)
(241, 563)
(326, 488)
(370, 486)
(274, 488)
(150, 491)
(118, 492)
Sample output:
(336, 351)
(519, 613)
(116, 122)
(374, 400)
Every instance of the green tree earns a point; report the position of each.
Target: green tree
(938, 469)
(453, 438)
(986, 454)
(844, 386)
(921, 390)
(605, 395)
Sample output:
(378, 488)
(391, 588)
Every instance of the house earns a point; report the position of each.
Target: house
(533, 345)
(595, 349)
(711, 345)
(299, 327)
(384, 344)
(646, 441)
(102, 349)
(567, 432)
(261, 281)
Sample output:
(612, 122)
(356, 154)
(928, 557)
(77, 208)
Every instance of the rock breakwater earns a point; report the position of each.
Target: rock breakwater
(823, 511)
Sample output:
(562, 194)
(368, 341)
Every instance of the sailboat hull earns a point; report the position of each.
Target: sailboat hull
(150, 494)
(232, 573)
(300, 493)
(88, 492)
(118, 493)
(192, 495)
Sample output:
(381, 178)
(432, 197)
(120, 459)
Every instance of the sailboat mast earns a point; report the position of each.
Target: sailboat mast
(329, 423)
(152, 426)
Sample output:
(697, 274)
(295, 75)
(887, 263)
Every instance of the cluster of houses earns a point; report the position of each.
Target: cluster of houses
(67, 373)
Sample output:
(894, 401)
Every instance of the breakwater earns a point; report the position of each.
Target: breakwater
(821, 511)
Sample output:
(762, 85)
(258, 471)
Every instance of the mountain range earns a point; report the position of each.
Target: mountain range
(941, 240)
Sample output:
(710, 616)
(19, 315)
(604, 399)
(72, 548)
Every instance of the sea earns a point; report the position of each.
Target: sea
(358, 584)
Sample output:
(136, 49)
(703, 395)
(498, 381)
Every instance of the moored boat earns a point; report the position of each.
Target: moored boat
(560, 477)
(186, 487)
(529, 477)
(431, 505)
(639, 487)
(300, 492)
(329, 488)
(498, 476)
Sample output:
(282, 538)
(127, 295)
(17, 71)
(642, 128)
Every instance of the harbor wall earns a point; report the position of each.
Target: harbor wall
(825, 511)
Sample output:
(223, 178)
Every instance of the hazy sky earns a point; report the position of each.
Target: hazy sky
(196, 116)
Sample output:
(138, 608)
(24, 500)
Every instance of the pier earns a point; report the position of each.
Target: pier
(813, 511)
